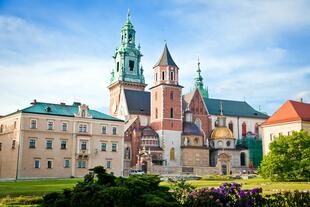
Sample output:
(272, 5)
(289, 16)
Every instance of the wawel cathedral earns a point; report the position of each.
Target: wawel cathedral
(167, 131)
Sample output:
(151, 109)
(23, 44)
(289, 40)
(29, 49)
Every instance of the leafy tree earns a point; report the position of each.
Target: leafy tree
(288, 158)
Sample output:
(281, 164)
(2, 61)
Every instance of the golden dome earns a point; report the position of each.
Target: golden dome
(222, 133)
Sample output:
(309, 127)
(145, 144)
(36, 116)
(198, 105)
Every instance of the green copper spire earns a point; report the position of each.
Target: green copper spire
(127, 57)
(199, 82)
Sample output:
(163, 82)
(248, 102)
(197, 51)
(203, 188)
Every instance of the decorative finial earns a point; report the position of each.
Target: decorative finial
(221, 108)
(128, 14)
(139, 46)
(165, 42)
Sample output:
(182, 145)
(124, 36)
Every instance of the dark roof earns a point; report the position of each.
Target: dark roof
(138, 102)
(233, 108)
(191, 129)
(166, 59)
(148, 131)
(64, 110)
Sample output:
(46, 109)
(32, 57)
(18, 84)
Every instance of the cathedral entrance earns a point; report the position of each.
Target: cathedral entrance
(224, 169)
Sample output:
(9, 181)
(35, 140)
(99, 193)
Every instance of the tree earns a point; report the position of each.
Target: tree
(288, 158)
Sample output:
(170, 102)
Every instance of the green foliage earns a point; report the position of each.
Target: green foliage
(288, 159)
(288, 199)
(102, 189)
(180, 190)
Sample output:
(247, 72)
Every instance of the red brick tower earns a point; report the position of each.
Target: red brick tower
(166, 107)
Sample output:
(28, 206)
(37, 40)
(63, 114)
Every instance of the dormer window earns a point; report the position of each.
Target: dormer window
(83, 111)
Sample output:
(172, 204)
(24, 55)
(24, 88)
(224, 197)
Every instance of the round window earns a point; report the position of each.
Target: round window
(228, 143)
(220, 143)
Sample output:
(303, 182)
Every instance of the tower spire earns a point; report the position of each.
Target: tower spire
(128, 15)
(199, 81)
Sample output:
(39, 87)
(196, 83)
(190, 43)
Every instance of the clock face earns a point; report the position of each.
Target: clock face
(220, 143)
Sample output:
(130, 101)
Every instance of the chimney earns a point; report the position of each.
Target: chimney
(33, 102)
(62, 103)
(299, 99)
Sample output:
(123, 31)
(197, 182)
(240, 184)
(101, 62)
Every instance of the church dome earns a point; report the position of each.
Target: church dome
(222, 133)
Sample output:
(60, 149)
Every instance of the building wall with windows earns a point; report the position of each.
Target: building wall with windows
(270, 132)
(57, 150)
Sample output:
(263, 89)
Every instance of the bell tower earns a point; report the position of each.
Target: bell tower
(127, 72)
(166, 107)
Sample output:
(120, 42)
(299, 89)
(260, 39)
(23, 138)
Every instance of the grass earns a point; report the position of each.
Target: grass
(31, 191)
(268, 186)
(35, 187)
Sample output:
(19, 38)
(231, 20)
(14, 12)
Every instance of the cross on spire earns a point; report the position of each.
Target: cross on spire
(128, 14)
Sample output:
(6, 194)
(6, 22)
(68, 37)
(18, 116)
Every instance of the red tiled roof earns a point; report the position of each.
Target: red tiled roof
(290, 111)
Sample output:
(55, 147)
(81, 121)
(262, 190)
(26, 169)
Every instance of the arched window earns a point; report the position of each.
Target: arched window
(172, 154)
(242, 159)
(117, 66)
(171, 112)
(231, 126)
(256, 130)
(127, 153)
(196, 140)
(243, 129)
(156, 113)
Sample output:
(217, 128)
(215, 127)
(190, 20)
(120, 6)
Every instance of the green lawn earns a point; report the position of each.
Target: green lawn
(40, 187)
(35, 187)
(267, 186)
(12, 192)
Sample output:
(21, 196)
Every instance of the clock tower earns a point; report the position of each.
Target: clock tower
(127, 72)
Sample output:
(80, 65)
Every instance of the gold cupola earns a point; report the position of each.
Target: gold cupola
(221, 131)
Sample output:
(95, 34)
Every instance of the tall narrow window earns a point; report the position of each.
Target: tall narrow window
(127, 153)
(171, 95)
(49, 144)
(242, 159)
(50, 125)
(67, 163)
(49, 164)
(156, 113)
(109, 164)
(0, 146)
(103, 147)
(231, 126)
(83, 145)
(171, 75)
(104, 129)
(63, 144)
(114, 130)
(64, 126)
(243, 129)
(130, 38)
(114, 147)
(171, 112)
(32, 143)
(117, 66)
(256, 130)
(156, 77)
(163, 75)
(37, 163)
(33, 124)
(172, 154)
(131, 65)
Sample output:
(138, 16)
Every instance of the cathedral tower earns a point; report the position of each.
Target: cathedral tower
(166, 107)
(127, 72)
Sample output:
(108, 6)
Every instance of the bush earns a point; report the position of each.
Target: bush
(102, 189)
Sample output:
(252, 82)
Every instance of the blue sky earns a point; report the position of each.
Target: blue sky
(61, 50)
